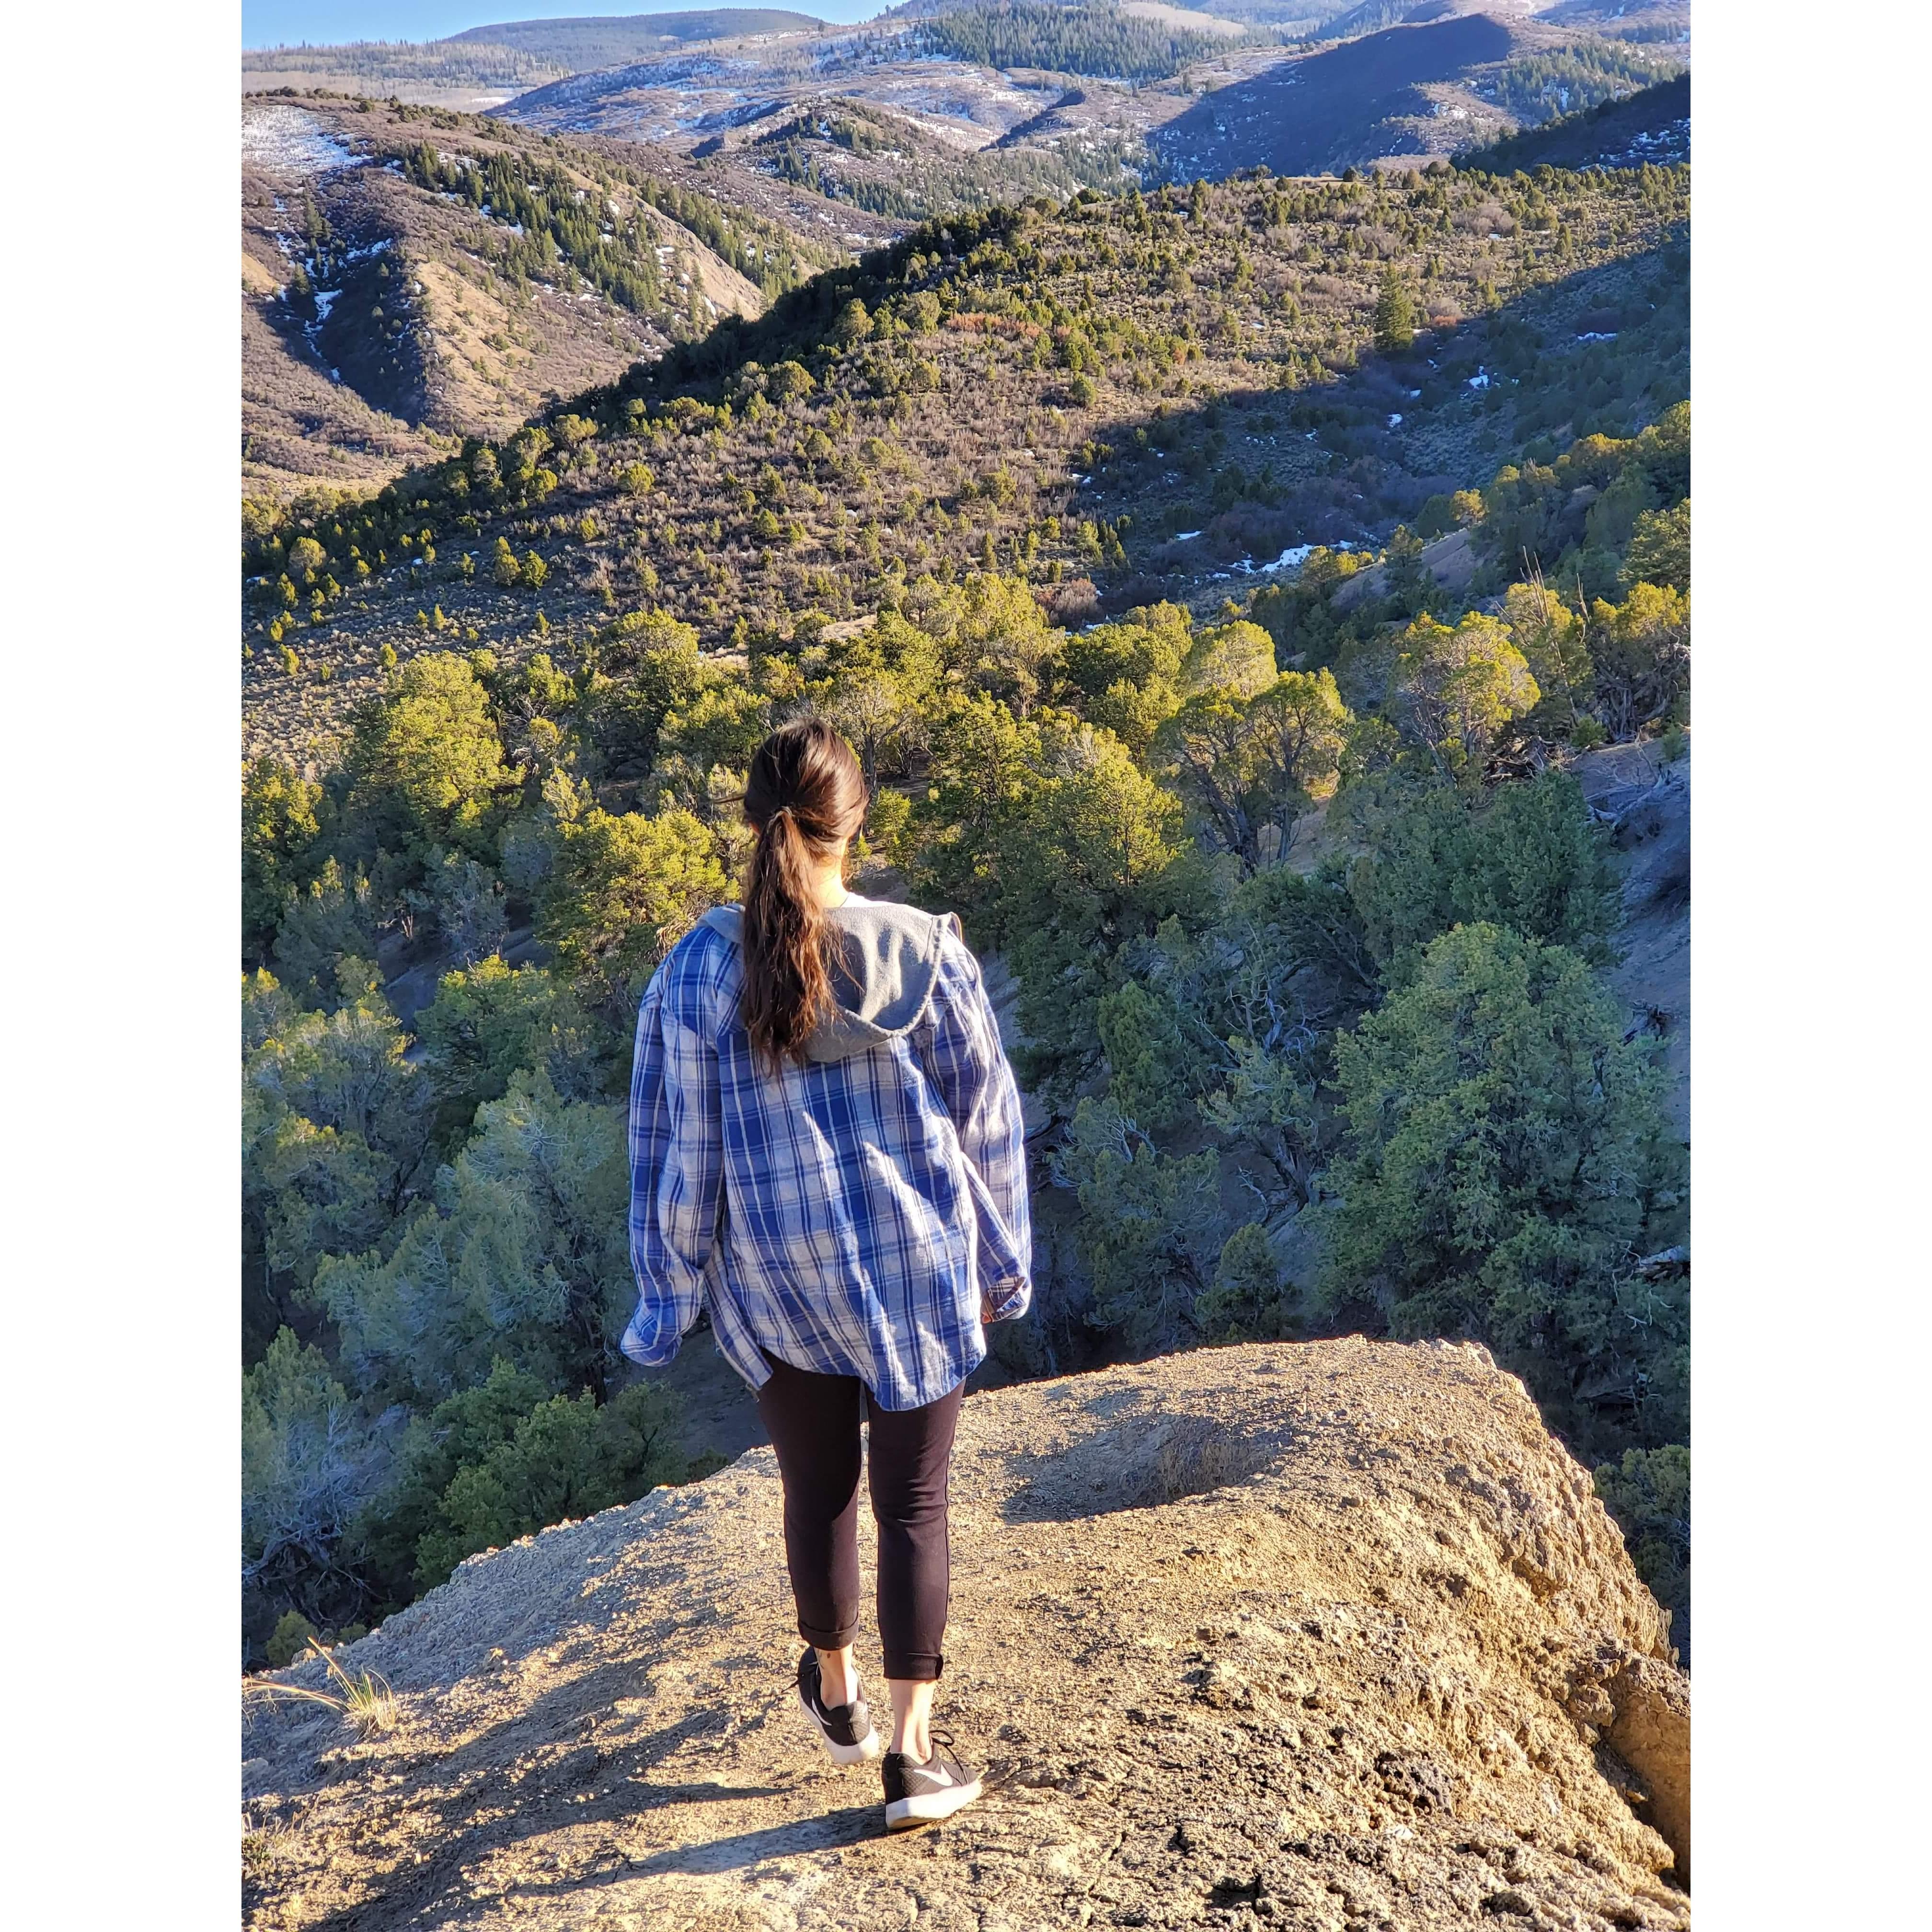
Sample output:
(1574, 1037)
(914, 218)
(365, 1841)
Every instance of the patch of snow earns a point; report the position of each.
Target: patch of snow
(326, 299)
(1598, 335)
(1395, 420)
(1187, 536)
(287, 140)
(1293, 558)
(1480, 380)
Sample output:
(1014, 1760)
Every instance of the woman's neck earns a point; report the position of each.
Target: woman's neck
(828, 884)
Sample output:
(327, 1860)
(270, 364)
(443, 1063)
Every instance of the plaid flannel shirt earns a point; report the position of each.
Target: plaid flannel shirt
(850, 1216)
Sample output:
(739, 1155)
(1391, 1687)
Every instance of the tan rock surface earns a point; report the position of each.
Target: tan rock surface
(1321, 1635)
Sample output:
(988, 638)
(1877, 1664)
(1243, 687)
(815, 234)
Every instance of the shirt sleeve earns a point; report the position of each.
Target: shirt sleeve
(977, 1085)
(677, 1164)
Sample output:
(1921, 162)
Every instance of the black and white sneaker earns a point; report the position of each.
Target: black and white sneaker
(846, 1729)
(917, 1794)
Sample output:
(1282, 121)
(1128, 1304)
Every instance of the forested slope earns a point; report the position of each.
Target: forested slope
(1652, 125)
(1065, 394)
(1220, 587)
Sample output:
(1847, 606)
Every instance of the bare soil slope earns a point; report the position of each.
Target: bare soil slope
(414, 324)
(1328, 1634)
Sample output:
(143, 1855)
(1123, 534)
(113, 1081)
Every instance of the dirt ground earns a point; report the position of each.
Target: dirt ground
(1331, 1635)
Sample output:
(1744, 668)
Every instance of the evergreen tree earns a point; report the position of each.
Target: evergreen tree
(1508, 1157)
(1395, 315)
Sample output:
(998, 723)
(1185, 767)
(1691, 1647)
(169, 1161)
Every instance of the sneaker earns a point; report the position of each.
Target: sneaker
(846, 1729)
(917, 1794)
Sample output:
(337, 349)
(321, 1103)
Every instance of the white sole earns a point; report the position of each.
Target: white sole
(863, 1752)
(928, 1807)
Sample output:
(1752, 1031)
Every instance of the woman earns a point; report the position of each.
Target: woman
(827, 1154)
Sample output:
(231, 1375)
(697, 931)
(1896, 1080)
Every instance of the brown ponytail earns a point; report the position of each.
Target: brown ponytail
(804, 796)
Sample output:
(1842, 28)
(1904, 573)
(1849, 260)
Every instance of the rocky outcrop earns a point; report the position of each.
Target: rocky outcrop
(1327, 1635)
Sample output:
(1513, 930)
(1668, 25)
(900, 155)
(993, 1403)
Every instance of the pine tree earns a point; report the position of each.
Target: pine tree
(1395, 316)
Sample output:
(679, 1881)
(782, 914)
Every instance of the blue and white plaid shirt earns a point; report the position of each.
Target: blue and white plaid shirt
(843, 1215)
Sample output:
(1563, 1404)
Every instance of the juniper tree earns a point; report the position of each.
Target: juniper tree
(1507, 1155)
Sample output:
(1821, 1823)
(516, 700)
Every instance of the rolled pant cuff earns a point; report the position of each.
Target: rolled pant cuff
(821, 1638)
(913, 1666)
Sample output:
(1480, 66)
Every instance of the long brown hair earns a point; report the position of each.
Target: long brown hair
(804, 795)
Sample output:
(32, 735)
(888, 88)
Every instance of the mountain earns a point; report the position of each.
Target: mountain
(411, 273)
(606, 41)
(1124, 399)
(483, 67)
(1268, 1633)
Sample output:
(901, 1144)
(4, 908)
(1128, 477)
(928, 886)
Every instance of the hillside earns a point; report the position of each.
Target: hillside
(388, 301)
(1444, 77)
(1652, 125)
(1315, 1634)
(1123, 400)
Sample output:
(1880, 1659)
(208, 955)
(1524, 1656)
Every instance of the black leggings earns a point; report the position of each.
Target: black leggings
(813, 1421)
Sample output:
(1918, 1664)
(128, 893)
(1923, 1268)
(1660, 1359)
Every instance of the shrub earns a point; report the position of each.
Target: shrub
(1648, 1492)
(565, 1459)
(1454, 690)
(1251, 1298)
(624, 889)
(1529, 856)
(1642, 649)
(288, 1640)
(523, 1256)
(309, 1463)
(279, 830)
(425, 764)
(1151, 1229)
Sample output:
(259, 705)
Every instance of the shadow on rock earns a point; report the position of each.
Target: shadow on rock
(823, 1832)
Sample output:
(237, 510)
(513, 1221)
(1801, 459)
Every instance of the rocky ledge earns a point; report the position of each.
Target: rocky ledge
(1327, 1635)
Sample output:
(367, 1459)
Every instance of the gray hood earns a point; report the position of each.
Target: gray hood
(889, 959)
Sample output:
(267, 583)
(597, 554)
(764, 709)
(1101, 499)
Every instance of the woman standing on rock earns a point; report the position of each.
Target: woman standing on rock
(827, 1154)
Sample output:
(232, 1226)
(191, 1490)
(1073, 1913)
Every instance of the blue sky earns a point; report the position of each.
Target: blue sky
(267, 23)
